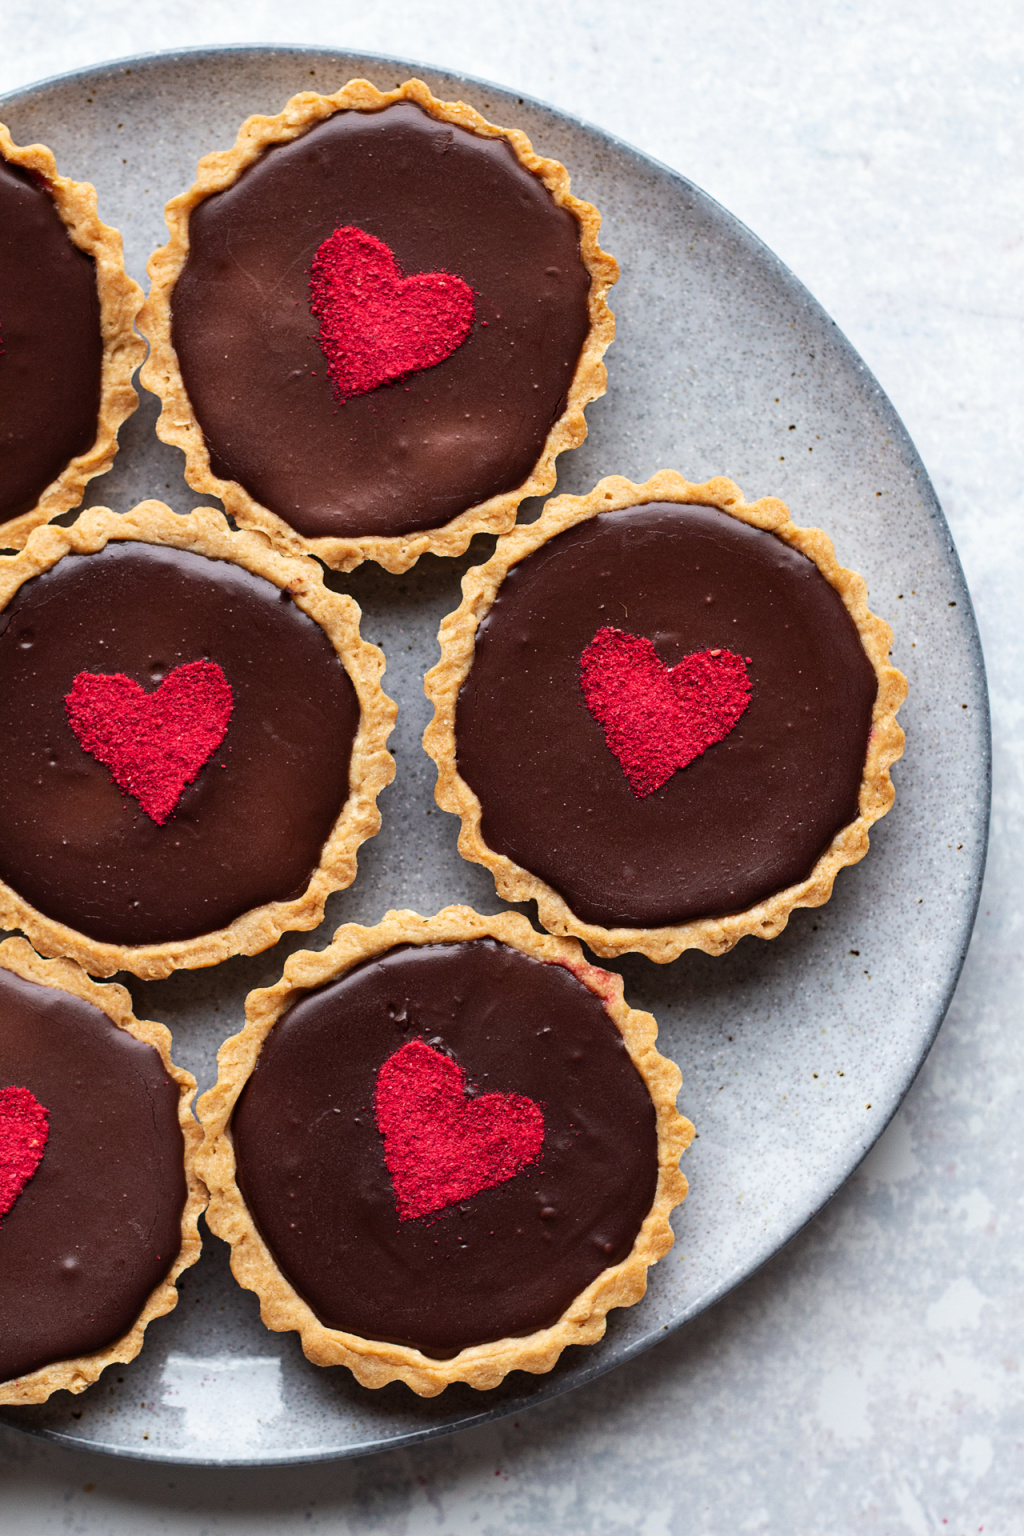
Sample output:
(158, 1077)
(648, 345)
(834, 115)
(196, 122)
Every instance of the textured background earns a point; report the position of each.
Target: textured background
(868, 1379)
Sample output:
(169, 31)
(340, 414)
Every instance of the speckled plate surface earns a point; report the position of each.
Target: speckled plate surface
(795, 1053)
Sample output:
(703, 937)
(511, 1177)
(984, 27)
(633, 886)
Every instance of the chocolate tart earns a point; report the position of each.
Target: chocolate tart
(68, 347)
(411, 1232)
(102, 1217)
(195, 741)
(442, 449)
(727, 606)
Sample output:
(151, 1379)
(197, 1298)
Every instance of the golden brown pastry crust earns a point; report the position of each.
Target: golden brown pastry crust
(161, 374)
(206, 532)
(123, 348)
(457, 636)
(75, 1375)
(485, 1365)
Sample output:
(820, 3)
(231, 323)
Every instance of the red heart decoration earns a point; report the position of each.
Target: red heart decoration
(657, 718)
(377, 325)
(441, 1147)
(24, 1130)
(153, 743)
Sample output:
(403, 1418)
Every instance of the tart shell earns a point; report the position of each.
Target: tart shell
(75, 1375)
(206, 532)
(120, 300)
(161, 374)
(457, 636)
(375, 1364)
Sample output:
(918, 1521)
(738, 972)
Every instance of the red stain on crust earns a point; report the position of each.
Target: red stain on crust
(24, 1131)
(604, 984)
(376, 325)
(441, 1147)
(657, 718)
(153, 743)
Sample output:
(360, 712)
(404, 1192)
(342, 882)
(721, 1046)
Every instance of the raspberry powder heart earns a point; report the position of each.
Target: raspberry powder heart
(439, 1146)
(24, 1131)
(657, 718)
(376, 325)
(153, 743)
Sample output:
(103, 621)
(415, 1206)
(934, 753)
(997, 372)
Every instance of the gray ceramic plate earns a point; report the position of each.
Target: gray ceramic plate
(795, 1053)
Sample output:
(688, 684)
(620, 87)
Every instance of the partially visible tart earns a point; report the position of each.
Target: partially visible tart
(443, 1149)
(376, 324)
(68, 347)
(99, 1198)
(194, 741)
(665, 714)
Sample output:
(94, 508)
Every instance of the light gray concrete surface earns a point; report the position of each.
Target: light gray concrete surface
(868, 1379)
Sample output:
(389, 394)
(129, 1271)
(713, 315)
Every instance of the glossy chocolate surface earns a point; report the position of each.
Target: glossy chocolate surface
(749, 817)
(509, 1260)
(52, 348)
(410, 455)
(98, 1225)
(250, 828)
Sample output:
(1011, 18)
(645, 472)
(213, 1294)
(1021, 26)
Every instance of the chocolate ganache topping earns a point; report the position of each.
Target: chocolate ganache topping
(251, 826)
(98, 1225)
(411, 455)
(750, 816)
(51, 346)
(507, 1261)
